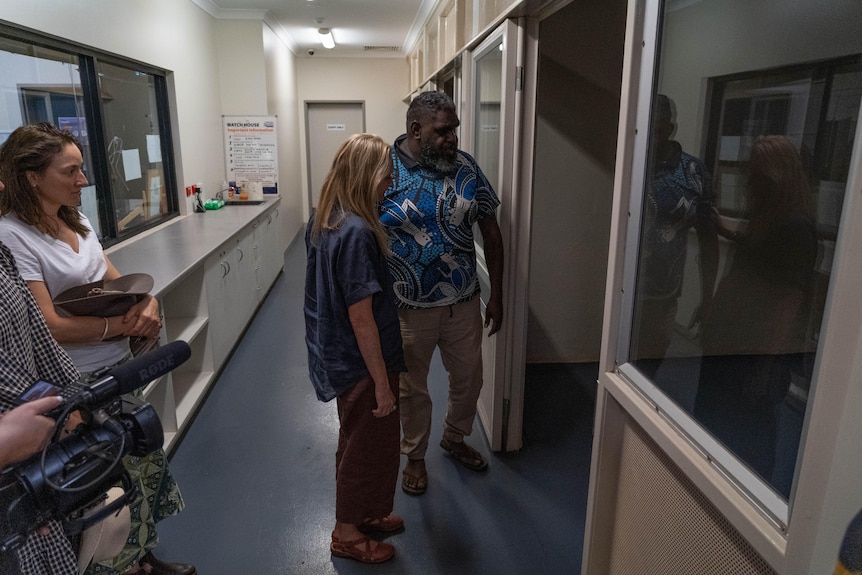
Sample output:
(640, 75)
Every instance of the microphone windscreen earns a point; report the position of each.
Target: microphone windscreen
(141, 370)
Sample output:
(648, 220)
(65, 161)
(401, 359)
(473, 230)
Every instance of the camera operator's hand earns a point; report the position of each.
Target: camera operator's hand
(24, 430)
(72, 422)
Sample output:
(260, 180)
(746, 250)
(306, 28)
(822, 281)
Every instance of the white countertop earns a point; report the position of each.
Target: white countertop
(170, 252)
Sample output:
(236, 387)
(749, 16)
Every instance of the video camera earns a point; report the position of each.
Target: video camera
(73, 473)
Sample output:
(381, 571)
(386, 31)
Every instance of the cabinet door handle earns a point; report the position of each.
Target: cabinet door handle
(225, 269)
(268, 219)
(241, 254)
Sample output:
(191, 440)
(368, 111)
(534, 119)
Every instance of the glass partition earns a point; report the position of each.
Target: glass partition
(117, 109)
(44, 85)
(751, 132)
(487, 114)
(133, 145)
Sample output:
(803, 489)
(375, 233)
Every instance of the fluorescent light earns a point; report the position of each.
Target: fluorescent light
(326, 38)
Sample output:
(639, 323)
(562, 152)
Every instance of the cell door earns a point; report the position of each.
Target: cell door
(492, 119)
(327, 125)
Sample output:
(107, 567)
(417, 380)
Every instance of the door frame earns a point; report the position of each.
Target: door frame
(501, 406)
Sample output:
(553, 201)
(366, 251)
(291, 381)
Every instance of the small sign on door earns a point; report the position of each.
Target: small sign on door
(335, 127)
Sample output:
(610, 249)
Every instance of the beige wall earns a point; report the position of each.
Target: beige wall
(576, 126)
(242, 69)
(381, 83)
(281, 88)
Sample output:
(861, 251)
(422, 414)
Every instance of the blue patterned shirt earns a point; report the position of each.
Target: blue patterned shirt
(429, 217)
(679, 197)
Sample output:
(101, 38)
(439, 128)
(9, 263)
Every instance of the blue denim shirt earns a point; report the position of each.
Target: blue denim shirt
(344, 267)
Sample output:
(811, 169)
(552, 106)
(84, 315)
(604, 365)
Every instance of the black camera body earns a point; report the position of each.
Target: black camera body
(84, 465)
(74, 472)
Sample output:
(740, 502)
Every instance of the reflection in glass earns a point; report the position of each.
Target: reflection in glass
(489, 96)
(748, 159)
(678, 199)
(755, 338)
(486, 130)
(134, 146)
(47, 87)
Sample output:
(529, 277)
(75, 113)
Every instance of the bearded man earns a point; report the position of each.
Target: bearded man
(438, 193)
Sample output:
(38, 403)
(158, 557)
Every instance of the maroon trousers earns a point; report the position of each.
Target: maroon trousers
(368, 456)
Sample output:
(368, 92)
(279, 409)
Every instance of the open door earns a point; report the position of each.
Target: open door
(492, 120)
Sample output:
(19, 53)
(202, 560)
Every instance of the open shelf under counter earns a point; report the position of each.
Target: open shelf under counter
(175, 255)
(189, 389)
(190, 381)
(186, 328)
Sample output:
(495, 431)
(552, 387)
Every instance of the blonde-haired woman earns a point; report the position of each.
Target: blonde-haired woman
(756, 340)
(354, 344)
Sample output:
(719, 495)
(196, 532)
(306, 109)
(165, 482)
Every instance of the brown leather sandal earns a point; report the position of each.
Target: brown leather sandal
(360, 550)
(413, 485)
(465, 455)
(388, 524)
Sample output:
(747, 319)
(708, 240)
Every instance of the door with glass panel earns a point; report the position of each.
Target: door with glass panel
(742, 152)
(491, 121)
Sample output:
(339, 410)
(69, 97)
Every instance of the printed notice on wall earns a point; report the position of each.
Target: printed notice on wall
(251, 151)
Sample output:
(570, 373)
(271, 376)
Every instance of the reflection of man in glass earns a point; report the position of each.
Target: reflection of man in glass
(679, 197)
(755, 337)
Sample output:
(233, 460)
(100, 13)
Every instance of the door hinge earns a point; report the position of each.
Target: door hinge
(519, 78)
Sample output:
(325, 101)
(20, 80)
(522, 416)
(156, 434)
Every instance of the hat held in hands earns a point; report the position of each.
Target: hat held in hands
(105, 298)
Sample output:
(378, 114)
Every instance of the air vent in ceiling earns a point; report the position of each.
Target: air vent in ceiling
(382, 48)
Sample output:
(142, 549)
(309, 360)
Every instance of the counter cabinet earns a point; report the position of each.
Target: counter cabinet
(207, 296)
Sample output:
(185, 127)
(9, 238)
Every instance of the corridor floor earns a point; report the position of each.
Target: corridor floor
(256, 468)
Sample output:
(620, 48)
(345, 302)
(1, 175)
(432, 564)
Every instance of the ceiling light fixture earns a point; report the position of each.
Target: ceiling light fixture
(326, 38)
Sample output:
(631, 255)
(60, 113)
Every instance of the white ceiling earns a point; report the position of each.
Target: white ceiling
(360, 27)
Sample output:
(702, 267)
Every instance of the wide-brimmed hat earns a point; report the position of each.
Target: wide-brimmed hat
(105, 298)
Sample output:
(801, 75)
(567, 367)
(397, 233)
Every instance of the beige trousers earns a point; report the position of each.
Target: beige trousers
(457, 331)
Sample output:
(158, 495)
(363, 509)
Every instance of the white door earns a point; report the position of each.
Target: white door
(327, 125)
(492, 122)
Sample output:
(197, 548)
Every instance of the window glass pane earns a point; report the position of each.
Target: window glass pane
(134, 146)
(489, 94)
(42, 85)
(751, 135)
(486, 130)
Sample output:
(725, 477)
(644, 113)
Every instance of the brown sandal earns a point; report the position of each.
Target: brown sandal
(388, 524)
(465, 455)
(360, 550)
(413, 485)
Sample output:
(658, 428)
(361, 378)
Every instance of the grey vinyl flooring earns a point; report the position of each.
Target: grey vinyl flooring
(256, 469)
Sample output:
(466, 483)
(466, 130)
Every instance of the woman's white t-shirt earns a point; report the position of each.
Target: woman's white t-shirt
(41, 257)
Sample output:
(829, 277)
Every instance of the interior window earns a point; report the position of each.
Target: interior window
(118, 112)
(750, 139)
(133, 145)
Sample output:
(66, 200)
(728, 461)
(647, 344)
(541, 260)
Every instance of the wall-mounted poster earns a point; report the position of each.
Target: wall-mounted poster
(251, 151)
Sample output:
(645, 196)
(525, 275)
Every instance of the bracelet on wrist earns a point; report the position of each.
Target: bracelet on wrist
(105, 333)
